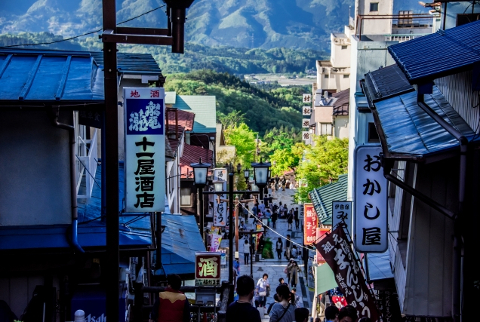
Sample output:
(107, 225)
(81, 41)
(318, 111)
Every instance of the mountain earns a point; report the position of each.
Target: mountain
(298, 24)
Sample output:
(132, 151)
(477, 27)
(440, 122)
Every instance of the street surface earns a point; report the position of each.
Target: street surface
(274, 267)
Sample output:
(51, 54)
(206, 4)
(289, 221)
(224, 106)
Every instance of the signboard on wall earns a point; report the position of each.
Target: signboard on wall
(306, 123)
(310, 224)
(342, 212)
(307, 98)
(370, 231)
(306, 111)
(207, 269)
(320, 233)
(144, 149)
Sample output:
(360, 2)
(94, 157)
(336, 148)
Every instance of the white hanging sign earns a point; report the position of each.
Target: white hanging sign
(144, 149)
(342, 212)
(220, 207)
(307, 98)
(306, 135)
(370, 201)
(306, 123)
(306, 111)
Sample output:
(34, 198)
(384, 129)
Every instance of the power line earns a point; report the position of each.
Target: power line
(85, 34)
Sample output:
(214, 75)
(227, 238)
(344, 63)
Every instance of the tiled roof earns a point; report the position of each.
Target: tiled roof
(205, 110)
(440, 54)
(342, 102)
(192, 154)
(322, 197)
(132, 63)
(386, 82)
(185, 119)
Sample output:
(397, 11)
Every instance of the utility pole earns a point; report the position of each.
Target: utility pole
(172, 36)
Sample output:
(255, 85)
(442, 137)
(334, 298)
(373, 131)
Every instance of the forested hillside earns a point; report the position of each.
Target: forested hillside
(261, 110)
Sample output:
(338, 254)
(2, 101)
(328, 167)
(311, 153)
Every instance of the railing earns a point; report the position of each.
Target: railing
(402, 37)
(88, 165)
(408, 21)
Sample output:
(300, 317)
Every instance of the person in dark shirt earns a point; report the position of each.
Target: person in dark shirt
(242, 309)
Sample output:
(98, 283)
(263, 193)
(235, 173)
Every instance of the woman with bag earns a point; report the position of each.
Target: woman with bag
(262, 288)
(293, 271)
(283, 311)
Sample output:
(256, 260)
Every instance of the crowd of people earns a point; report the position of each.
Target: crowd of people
(250, 296)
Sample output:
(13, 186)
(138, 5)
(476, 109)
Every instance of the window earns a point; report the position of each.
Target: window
(346, 75)
(185, 197)
(325, 76)
(325, 129)
(344, 47)
(372, 133)
(373, 6)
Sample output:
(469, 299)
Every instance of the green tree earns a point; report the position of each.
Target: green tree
(323, 163)
(244, 141)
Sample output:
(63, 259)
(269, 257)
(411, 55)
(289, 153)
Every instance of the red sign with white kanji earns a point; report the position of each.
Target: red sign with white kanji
(310, 224)
(207, 269)
(320, 233)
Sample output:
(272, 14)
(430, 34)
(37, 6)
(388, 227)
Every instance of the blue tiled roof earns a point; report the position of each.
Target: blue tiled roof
(386, 82)
(408, 132)
(322, 198)
(27, 75)
(439, 54)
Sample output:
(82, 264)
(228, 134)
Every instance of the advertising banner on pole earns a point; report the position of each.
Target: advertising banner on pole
(310, 224)
(370, 191)
(144, 149)
(320, 233)
(220, 207)
(342, 212)
(207, 269)
(215, 240)
(337, 252)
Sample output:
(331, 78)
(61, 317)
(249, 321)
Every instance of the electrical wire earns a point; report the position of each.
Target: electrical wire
(268, 227)
(82, 35)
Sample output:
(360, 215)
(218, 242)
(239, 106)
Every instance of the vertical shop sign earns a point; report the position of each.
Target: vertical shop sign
(306, 111)
(370, 201)
(144, 149)
(310, 224)
(337, 252)
(307, 98)
(207, 269)
(219, 206)
(306, 123)
(342, 212)
(320, 233)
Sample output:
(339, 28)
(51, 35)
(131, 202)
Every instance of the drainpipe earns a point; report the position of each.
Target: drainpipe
(73, 187)
(458, 240)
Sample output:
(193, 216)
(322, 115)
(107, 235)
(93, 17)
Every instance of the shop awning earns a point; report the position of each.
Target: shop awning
(408, 133)
(180, 240)
(322, 198)
(378, 266)
(324, 279)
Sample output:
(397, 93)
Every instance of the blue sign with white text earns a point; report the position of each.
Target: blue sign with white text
(144, 116)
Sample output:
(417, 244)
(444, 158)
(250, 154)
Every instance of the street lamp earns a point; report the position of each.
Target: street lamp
(246, 174)
(261, 175)
(200, 171)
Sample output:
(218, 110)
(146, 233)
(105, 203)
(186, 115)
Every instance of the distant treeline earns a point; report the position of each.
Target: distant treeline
(232, 60)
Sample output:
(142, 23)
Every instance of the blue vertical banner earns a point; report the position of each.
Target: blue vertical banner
(144, 149)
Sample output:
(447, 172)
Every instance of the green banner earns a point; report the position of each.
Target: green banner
(324, 279)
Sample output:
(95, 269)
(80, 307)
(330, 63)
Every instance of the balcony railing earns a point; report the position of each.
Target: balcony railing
(88, 165)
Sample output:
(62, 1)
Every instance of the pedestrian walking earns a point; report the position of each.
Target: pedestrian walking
(283, 311)
(288, 247)
(242, 310)
(171, 305)
(274, 219)
(236, 267)
(293, 271)
(279, 247)
(331, 313)
(347, 314)
(246, 252)
(296, 218)
(290, 220)
(301, 314)
(245, 213)
(262, 288)
(261, 207)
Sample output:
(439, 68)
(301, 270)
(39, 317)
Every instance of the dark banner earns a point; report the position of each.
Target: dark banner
(337, 252)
